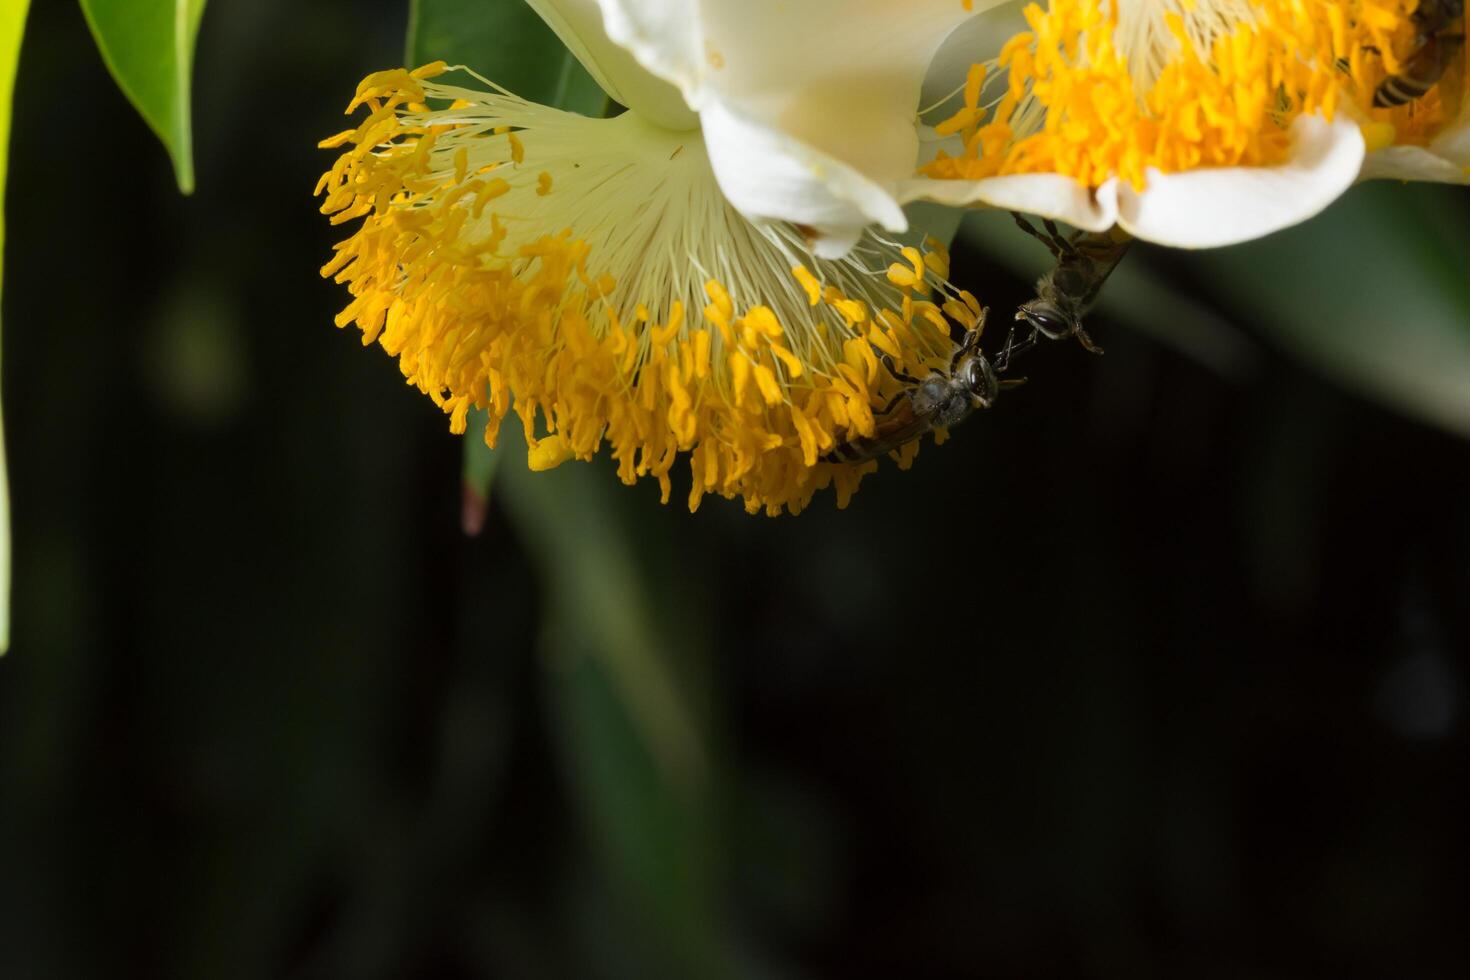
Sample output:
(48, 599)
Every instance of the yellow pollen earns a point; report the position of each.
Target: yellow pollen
(1379, 135)
(809, 283)
(548, 454)
(1180, 85)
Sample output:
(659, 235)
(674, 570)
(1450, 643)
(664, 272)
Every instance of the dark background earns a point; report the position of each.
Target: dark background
(1155, 670)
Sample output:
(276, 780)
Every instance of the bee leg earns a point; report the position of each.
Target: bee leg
(1003, 359)
(1003, 356)
(1030, 229)
(1026, 226)
(1010, 383)
(897, 374)
(1012, 350)
(1063, 247)
(1087, 342)
(970, 342)
(892, 403)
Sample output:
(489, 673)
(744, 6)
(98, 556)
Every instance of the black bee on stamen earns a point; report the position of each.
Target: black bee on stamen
(940, 401)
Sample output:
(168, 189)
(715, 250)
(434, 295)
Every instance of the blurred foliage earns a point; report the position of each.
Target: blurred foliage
(12, 26)
(1158, 668)
(506, 41)
(628, 689)
(148, 46)
(1375, 296)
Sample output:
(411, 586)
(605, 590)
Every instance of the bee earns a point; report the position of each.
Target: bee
(940, 401)
(1437, 52)
(1063, 295)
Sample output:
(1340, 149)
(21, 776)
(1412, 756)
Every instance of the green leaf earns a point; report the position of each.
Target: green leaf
(148, 46)
(637, 749)
(1372, 292)
(596, 580)
(507, 42)
(12, 26)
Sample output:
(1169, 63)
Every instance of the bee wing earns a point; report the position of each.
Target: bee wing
(887, 438)
(889, 433)
(1105, 254)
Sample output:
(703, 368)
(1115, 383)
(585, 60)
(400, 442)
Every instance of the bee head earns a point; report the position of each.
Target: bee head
(979, 380)
(1046, 318)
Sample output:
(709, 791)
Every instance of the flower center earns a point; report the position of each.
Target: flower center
(1101, 90)
(589, 274)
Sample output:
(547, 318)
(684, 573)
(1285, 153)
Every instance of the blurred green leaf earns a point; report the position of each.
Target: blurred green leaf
(930, 220)
(506, 41)
(582, 539)
(636, 749)
(12, 26)
(1373, 292)
(148, 46)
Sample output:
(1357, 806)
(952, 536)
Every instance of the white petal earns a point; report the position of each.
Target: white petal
(579, 25)
(808, 105)
(1049, 195)
(663, 35)
(1412, 163)
(1193, 209)
(1224, 205)
(1446, 160)
(766, 175)
(1453, 143)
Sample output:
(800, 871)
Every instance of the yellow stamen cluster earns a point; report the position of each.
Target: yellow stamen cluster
(588, 274)
(1097, 90)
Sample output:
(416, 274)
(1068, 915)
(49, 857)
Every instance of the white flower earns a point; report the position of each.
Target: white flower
(603, 278)
(1191, 123)
(808, 107)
